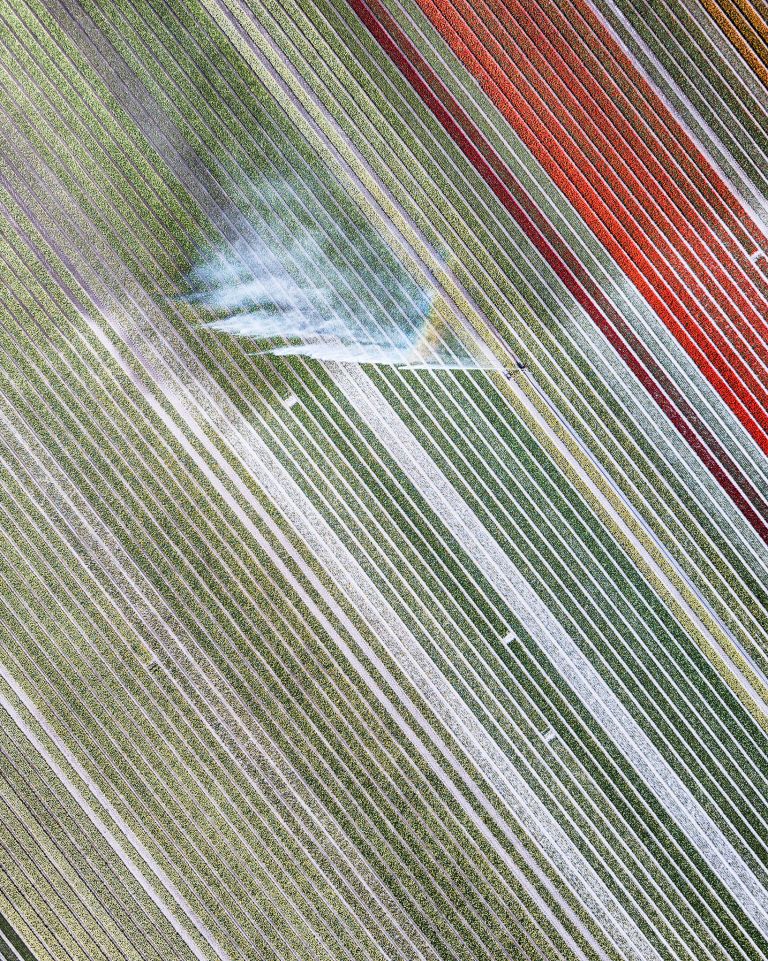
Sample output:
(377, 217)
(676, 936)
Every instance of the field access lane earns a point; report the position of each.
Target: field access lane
(518, 202)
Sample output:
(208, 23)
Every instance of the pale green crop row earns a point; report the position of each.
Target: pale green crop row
(49, 828)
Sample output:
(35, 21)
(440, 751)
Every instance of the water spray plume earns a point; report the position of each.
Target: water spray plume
(265, 290)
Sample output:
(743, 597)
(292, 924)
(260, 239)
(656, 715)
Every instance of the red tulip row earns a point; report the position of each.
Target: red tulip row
(521, 206)
(633, 175)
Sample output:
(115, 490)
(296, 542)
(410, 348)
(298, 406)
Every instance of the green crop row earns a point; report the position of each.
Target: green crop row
(415, 175)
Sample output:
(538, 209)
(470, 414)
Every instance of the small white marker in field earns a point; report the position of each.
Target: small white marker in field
(510, 637)
(290, 401)
(548, 735)
(757, 255)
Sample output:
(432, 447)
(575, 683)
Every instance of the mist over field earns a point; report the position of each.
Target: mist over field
(295, 295)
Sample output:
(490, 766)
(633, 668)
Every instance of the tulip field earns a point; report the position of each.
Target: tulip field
(384, 480)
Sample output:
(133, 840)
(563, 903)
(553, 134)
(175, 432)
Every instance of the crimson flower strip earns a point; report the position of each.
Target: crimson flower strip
(570, 42)
(514, 197)
(593, 154)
